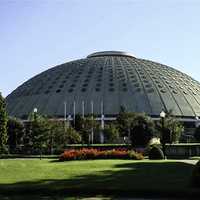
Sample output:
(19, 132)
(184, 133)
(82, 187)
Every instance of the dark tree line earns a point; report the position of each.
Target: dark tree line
(42, 134)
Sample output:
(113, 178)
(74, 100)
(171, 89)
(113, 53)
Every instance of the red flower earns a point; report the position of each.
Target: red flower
(90, 153)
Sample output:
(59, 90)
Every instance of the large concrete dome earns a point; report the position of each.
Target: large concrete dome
(108, 79)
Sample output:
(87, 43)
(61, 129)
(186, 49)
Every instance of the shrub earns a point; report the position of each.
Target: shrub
(86, 154)
(196, 175)
(155, 153)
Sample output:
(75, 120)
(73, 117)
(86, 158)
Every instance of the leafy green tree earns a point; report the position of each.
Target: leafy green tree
(79, 122)
(142, 130)
(15, 133)
(111, 133)
(89, 126)
(172, 130)
(39, 131)
(124, 121)
(59, 136)
(73, 137)
(3, 125)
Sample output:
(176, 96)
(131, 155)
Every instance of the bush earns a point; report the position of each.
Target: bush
(196, 175)
(156, 153)
(86, 154)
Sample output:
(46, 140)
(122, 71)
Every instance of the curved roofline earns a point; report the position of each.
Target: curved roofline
(110, 53)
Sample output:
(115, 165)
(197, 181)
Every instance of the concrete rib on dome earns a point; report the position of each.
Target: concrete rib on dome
(114, 78)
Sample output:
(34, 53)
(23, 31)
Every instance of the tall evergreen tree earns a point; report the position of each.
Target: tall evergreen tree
(3, 125)
(15, 129)
(37, 132)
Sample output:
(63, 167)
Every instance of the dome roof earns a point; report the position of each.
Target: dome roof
(111, 79)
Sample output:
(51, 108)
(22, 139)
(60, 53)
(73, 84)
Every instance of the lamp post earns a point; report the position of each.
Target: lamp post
(162, 116)
(65, 116)
(35, 110)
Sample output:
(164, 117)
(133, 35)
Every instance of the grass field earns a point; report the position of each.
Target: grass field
(120, 177)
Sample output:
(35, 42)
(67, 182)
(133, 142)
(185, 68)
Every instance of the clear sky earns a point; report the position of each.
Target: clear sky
(38, 34)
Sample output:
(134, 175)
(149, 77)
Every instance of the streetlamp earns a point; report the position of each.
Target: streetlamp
(35, 110)
(162, 116)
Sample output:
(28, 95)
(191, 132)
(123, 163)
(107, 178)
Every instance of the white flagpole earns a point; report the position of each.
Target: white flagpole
(74, 112)
(83, 109)
(102, 122)
(101, 107)
(92, 110)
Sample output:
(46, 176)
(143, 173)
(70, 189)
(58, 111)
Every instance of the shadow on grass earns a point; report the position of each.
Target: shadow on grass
(145, 179)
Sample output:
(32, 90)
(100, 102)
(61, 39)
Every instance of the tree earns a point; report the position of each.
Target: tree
(89, 130)
(142, 130)
(3, 125)
(15, 133)
(79, 122)
(57, 137)
(60, 137)
(124, 121)
(73, 137)
(111, 133)
(39, 131)
(172, 129)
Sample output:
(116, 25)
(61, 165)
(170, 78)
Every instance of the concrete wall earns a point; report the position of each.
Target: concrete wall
(182, 150)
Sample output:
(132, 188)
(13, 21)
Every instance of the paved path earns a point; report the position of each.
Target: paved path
(189, 161)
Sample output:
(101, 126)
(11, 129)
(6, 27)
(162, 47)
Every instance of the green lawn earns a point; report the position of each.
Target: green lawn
(120, 177)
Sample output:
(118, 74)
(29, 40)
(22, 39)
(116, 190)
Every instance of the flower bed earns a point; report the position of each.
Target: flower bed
(87, 154)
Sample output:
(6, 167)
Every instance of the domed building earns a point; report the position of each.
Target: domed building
(102, 83)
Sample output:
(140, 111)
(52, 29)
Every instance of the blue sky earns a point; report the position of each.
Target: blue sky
(37, 35)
